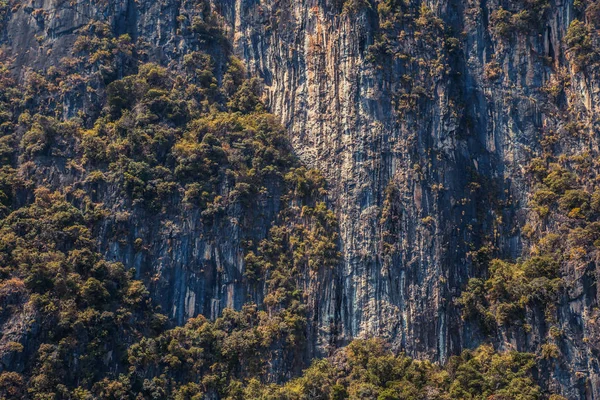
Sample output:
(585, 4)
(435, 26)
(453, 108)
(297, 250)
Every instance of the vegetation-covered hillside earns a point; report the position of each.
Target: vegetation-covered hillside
(161, 239)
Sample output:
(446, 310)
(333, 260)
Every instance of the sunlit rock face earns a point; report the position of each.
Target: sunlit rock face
(425, 143)
(423, 117)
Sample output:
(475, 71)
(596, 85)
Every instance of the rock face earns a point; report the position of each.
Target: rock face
(449, 117)
(423, 116)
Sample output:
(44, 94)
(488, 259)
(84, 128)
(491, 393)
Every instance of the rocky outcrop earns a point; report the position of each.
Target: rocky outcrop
(449, 116)
(423, 116)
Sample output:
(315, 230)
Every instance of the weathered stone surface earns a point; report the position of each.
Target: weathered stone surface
(427, 125)
(342, 114)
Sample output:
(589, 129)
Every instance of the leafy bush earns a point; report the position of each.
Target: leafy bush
(526, 17)
(572, 199)
(510, 289)
(560, 180)
(355, 6)
(579, 44)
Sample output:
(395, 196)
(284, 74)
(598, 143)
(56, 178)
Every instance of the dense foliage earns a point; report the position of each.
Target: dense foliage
(69, 312)
(368, 370)
(192, 136)
(106, 137)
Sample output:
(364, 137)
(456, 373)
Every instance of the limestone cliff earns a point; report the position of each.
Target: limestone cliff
(440, 104)
(427, 119)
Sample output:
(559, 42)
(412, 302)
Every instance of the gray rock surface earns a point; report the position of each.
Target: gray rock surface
(424, 153)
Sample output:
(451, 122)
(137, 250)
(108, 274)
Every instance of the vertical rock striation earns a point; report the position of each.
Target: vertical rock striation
(426, 144)
(422, 115)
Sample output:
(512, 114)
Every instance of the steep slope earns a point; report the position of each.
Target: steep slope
(451, 134)
(436, 124)
(136, 197)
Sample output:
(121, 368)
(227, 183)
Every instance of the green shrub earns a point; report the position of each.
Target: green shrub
(510, 289)
(247, 98)
(355, 6)
(560, 180)
(527, 17)
(544, 197)
(579, 44)
(574, 199)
